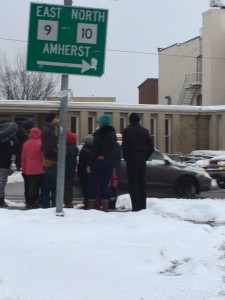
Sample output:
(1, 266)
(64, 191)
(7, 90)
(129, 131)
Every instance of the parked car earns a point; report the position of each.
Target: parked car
(166, 176)
(196, 155)
(216, 169)
(213, 161)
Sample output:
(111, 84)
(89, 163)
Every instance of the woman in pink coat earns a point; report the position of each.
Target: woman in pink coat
(31, 163)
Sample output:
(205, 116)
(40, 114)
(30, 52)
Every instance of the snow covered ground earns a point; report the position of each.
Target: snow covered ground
(173, 250)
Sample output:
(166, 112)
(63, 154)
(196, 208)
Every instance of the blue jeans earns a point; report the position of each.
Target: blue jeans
(99, 177)
(4, 173)
(49, 194)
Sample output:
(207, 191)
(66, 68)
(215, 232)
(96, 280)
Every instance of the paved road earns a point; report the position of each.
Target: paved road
(214, 194)
(15, 191)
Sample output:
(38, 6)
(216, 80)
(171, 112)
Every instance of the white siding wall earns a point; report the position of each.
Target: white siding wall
(213, 53)
(174, 63)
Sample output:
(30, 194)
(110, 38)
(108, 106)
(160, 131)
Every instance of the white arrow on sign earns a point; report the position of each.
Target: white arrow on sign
(84, 66)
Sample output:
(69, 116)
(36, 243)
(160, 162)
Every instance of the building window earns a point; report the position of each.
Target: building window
(199, 65)
(199, 100)
(141, 119)
(153, 129)
(168, 135)
(5, 119)
(91, 124)
(108, 113)
(219, 132)
(74, 124)
(123, 123)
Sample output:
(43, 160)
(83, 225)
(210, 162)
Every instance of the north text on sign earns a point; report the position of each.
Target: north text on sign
(88, 15)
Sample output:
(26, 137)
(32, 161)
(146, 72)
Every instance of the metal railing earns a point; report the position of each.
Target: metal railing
(193, 79)
(192, 82)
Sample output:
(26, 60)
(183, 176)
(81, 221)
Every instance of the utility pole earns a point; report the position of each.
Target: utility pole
(62, 140)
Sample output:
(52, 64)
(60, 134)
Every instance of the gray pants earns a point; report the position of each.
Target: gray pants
(4, 173)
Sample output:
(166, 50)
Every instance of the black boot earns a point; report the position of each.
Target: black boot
(104, 205)
(2, 202)
(91, 204)
(112, 203)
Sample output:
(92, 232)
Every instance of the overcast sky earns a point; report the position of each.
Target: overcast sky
(136, 29)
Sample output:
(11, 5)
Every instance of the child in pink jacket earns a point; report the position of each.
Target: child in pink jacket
(31, 164)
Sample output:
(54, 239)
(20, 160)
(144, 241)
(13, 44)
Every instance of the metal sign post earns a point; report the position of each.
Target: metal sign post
(62, 147)
(62, 141)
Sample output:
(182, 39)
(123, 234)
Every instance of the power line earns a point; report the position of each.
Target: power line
(13, 40)
(134, 52)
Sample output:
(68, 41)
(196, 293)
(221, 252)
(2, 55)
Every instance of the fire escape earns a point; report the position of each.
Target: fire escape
(191, 87)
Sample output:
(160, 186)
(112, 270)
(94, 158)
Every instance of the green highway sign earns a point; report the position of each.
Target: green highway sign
(67, 39)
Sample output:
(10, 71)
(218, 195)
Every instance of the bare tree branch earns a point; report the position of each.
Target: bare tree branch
(17, 83)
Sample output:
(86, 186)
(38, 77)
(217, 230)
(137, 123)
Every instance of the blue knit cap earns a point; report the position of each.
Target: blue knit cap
(104, 119)
(27, 125)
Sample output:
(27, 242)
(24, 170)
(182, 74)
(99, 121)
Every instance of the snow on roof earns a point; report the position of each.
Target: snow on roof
(119, 106)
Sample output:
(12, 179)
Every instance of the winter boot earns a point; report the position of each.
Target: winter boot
(85, 203)
(112, 203)
(91, 204)
(105, 205)
(68, 205)
(2, 202)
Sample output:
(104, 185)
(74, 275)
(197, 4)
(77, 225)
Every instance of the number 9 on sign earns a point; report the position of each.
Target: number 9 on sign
(47, 30)
(87, 33)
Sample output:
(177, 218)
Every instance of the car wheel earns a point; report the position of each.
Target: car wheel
(186, 188)
(221, 183)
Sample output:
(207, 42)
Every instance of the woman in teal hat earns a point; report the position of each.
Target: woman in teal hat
(101, 162)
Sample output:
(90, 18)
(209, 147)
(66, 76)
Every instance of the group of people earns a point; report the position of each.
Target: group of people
(97, 167)
(101, 155)
(39, 163)
(36, 155)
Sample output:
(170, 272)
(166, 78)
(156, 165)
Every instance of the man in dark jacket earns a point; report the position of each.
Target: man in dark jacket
(50, 152)
(6, 151)
(82, 166)
(70, 168)
(101, 163)
(137, 147)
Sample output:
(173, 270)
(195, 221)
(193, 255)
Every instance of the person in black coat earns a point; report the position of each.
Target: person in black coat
(70, 168)
(50, 151)
(101, 163)
(82, 166)
(7, 149)
(137, 147)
